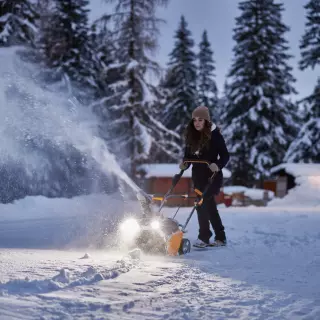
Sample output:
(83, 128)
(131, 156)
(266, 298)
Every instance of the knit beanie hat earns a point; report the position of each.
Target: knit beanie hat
(201, 112)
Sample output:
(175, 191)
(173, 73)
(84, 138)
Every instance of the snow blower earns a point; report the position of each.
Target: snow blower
(153, 233)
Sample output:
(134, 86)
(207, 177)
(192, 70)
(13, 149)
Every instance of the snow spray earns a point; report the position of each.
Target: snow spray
(31, 111)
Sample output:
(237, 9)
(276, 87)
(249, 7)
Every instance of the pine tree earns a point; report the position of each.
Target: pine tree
(63, 40)
(181, 81)
(104, 55)
(310, 42)
(135, 128)
(45, 39)
(106, 73)
(260, 120)
(306, 147)
(17, 22)
(207, 92)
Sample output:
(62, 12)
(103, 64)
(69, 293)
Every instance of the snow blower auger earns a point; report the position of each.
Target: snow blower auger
(156, 234)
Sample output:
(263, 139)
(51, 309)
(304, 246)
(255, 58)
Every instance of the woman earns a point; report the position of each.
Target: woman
(205, 142)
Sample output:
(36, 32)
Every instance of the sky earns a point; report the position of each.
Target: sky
(218, 18)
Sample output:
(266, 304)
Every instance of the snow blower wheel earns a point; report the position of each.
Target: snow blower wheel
(185, 247)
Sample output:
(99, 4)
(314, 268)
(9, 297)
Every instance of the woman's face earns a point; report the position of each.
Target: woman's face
(198, 123)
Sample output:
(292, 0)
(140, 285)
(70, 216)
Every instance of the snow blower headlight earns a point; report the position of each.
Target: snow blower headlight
(155, 224)
(130, 227)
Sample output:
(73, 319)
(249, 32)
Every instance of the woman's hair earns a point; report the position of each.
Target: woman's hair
(195, 139)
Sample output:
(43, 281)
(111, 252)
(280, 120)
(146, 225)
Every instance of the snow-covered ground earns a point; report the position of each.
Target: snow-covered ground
(269, 270)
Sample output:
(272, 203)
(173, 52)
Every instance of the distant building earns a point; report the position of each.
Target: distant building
(286, 175)
(158, 179)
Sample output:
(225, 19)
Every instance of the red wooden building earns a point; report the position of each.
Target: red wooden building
(158, 178)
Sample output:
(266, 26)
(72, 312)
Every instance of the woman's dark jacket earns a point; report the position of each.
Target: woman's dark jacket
(216, 152)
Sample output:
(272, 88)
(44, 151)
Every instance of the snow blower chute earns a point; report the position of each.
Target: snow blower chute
(153, 233)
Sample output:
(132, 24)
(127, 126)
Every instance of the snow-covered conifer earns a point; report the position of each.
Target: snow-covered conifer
(17, 22)
(207, 88)
(260, 120)
(181, 80)
(135, 129)
(310, 42)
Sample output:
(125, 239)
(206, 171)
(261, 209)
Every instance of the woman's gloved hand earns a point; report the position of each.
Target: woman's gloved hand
(214, 168)
(183, 166)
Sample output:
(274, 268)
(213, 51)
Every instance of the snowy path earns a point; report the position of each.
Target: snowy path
(137, 290)
(270, 270)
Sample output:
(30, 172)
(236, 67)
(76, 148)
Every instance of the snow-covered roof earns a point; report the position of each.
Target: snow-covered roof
(307, 191)
(299, 169)
(170, 169)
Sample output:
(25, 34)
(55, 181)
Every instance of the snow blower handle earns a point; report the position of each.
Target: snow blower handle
(176, 178)
(196, 161)
(186, 161)
(200, 201)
